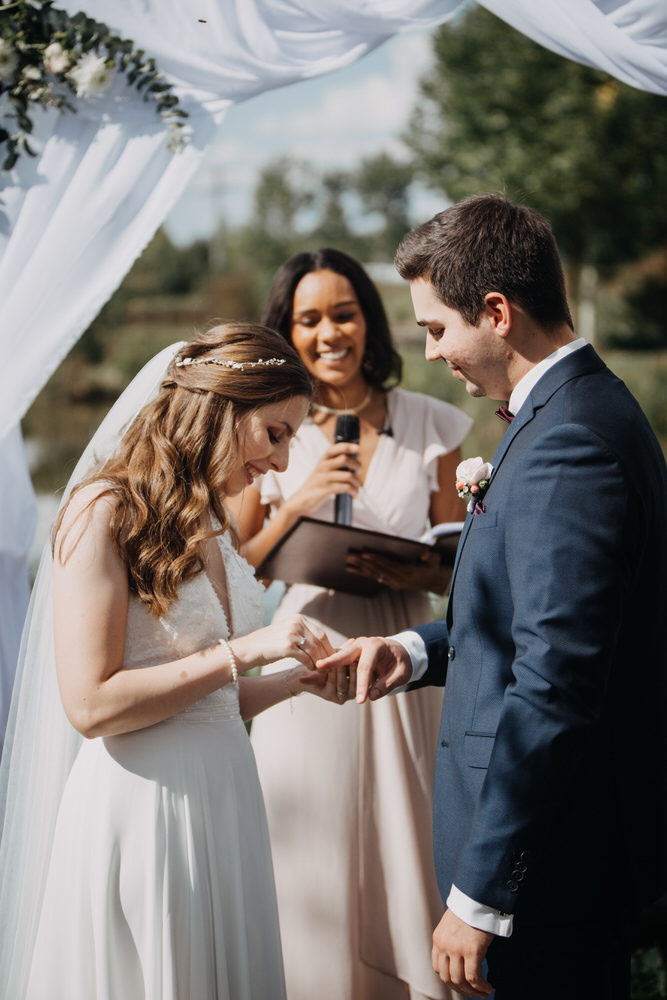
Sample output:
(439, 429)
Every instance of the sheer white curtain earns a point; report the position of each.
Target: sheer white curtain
(73, 220)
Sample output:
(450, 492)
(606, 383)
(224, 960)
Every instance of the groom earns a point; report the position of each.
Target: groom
(550, 803)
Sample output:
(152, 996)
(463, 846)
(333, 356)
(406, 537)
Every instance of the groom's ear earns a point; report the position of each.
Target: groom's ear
(498, 309)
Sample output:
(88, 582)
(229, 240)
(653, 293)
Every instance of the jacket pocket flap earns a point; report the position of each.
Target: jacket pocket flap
(477, 748)
(486, 520)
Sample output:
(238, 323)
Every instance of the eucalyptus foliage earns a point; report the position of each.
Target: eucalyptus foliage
(46, 55)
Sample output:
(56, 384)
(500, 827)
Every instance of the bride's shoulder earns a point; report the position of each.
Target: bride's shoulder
(85, 519)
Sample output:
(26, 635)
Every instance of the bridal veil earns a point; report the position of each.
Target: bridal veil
(41, 745)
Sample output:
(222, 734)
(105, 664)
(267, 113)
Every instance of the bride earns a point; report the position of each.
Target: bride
(135, 862)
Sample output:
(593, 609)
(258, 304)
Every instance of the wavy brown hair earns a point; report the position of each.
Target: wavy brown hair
(173, 462)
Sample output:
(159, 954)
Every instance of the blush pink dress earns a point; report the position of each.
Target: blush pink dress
(348, 790)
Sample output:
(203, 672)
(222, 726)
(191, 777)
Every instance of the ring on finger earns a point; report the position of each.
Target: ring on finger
(342, 694)
(301, 644)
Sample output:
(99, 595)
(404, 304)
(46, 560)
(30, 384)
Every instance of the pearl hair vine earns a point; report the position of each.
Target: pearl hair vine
(239, 365)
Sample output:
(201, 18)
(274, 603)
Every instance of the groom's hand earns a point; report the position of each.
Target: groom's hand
(382, 665)
(458, 952)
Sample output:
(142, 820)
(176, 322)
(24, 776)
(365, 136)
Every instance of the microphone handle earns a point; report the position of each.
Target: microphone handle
(347, 429)
(343, 508)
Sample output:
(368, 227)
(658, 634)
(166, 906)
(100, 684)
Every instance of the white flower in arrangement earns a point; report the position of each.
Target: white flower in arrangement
(32, 73)
(92, 75)
(56, 58)
(9, 60)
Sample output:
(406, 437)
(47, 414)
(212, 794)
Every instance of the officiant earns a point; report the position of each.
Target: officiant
(352, 920)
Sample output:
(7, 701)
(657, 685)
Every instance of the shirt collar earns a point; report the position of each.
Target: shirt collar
(525, 385)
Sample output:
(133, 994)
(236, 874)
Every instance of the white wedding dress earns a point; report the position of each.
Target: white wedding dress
(160, 884)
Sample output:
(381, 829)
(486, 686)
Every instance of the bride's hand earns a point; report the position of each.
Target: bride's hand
(298, 637)
(338, 686)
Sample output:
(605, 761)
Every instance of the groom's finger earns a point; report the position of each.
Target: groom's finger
(343, 657)
(374, 660)
(473, 974)
(370, 671)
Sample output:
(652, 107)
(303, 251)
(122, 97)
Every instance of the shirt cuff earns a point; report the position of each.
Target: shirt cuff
(414, 646)
(478, 915)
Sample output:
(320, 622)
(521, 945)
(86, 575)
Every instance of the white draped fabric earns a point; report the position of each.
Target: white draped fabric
(73, 220)
(626, 38)
(17, 525)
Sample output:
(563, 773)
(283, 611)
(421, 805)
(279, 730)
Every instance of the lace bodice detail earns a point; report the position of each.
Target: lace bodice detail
(195, 621)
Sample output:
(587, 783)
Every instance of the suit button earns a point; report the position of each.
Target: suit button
(517, 875)
(513, 886)
(452, 653)
(521, 866)
(524, 855)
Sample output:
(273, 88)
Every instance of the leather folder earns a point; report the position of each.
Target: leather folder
(315, 552)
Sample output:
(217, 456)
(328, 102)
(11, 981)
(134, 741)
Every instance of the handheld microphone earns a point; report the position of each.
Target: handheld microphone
(347, 429)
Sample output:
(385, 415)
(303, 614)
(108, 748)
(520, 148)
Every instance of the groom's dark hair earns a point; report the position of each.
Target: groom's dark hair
(488, 244)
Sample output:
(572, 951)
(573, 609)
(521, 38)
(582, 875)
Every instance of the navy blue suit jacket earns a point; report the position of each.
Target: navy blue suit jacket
(551, 773)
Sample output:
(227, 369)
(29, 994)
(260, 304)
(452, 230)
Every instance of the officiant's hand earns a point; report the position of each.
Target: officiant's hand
(457, 955)
(382, 665)
(337, 472)
(429, 574)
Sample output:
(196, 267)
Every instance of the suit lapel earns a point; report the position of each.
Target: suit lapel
(581, 362)
(526, 414)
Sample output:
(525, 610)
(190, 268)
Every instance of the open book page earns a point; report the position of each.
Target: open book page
(439, 530)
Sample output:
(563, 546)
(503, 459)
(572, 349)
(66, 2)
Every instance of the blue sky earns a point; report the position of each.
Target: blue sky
(332, 121)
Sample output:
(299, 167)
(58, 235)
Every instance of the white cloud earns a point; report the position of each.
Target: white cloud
(377, 103)
(330, 121)
(358, 114)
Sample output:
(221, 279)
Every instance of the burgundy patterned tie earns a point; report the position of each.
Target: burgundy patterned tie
(505, 414)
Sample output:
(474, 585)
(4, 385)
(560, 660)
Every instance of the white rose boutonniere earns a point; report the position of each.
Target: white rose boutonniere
(472, 481)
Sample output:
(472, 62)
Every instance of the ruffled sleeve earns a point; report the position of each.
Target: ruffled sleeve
(431, 427)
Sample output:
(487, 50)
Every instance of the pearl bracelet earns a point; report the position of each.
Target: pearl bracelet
(232, 660)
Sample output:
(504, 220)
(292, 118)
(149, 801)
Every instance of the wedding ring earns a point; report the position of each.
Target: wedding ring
(301, 644)
(341, 694)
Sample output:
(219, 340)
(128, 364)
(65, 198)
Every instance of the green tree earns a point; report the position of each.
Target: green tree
(162, 269)
(499, 112)
(332, 227)
(285, 192)
(165, 269)
(383, 185)
(295, 209)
